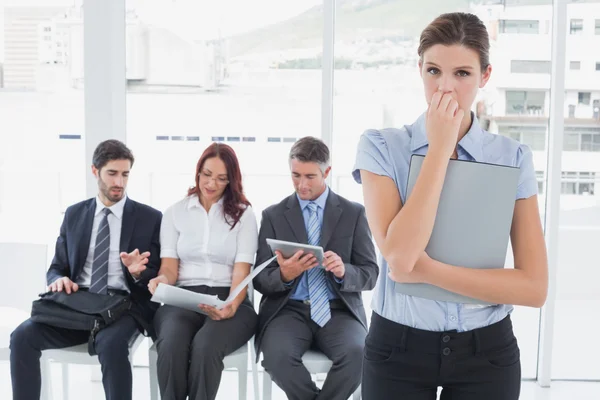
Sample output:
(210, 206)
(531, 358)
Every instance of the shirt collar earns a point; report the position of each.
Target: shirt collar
(472, 142)
(116, 209)
(321, 200)
(194, 202)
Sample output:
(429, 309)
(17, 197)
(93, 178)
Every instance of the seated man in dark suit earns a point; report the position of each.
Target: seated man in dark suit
(307, 306)
(108, 244)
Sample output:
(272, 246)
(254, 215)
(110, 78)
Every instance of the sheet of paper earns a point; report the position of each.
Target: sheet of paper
(189, 300)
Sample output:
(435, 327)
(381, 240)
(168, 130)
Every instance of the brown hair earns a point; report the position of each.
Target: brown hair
(457, 28)
(234, 199)
(111, 150)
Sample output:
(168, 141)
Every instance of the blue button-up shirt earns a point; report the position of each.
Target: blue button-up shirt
(387, 152)
(301, 291)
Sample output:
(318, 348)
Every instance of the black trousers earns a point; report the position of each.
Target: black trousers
(112, 346)
(409, 364)
(292, 332)
(191, 347)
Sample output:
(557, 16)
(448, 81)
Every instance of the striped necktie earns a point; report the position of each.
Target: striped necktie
(99, 283)
(317, 284)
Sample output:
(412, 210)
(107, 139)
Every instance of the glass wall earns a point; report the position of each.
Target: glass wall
(576, 318)
(378, 86)
(249, 74)
(41, 117)
(200, 73)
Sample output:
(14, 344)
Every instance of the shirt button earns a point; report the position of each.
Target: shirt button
(446, 339)
(446, 351)
(452, 318)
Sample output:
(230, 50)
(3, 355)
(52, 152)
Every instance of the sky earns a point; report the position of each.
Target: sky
(197, 19)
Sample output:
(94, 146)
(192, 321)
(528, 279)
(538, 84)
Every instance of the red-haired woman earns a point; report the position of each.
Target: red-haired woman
(208, 243)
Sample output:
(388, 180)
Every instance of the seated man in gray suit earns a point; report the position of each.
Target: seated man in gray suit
(305, 306)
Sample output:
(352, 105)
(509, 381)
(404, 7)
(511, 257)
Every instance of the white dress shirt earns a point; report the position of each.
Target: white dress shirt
(205, 244)
(116, 279)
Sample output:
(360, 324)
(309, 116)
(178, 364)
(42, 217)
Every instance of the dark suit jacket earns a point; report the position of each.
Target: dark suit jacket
(140, 230)
(345, 232)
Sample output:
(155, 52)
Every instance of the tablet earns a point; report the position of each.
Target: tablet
(288, 249)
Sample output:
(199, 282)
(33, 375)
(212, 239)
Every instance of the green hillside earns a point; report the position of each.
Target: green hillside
(355, 20)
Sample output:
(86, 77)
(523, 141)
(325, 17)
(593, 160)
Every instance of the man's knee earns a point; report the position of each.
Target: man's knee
(109, 347)
(277, 359)
(23, 336)
(351, 359)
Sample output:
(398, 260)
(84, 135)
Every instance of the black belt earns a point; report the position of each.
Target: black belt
(110, 292)
(335, 303)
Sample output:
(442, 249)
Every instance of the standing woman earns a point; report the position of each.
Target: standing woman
(415, 345)
(208, 242)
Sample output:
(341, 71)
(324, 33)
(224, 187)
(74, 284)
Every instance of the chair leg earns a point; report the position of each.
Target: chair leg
(46, 393)
(356, 395)
(254, 371)
(65, 381)
(95, 373)
(267, 386)
(243, 381)
(154, 390)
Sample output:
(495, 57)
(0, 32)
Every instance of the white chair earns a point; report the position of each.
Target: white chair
(26, 263)
(315, 362)
(79, 355)
(237, 360)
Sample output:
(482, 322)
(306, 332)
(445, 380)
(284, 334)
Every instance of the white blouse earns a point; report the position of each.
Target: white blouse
(206, 246)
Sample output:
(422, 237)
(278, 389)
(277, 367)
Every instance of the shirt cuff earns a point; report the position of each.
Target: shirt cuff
(340, 281)
(245, 258)
(168, 253)
(290, 283)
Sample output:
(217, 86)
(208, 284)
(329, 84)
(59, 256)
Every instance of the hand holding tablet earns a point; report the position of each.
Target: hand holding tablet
(295, 258)
(288, 249)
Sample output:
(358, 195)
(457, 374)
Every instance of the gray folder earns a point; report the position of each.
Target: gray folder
(473, 221)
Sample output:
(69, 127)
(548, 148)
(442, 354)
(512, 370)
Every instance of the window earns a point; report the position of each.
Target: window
(519, 26)
(541, 180)
(579, 183)
(575, 65)
(515, 135)
(597, 27)
(590, 142)
(584, 98)
(576, 26)
(596, 109)
(581, 139)
(236, 72)
(533, 136)
(571, 111)
(162, 138)
(535, 140)
(525, 102)
(530, 67)
(571, 142)
(597, 66)
(42, 114)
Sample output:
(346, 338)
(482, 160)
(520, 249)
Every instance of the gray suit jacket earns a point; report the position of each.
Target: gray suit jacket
(345, 231)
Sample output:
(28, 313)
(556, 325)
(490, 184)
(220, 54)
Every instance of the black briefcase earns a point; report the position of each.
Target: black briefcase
(80, 310)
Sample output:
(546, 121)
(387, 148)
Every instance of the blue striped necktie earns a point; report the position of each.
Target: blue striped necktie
(317, 284)
(99, 283)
